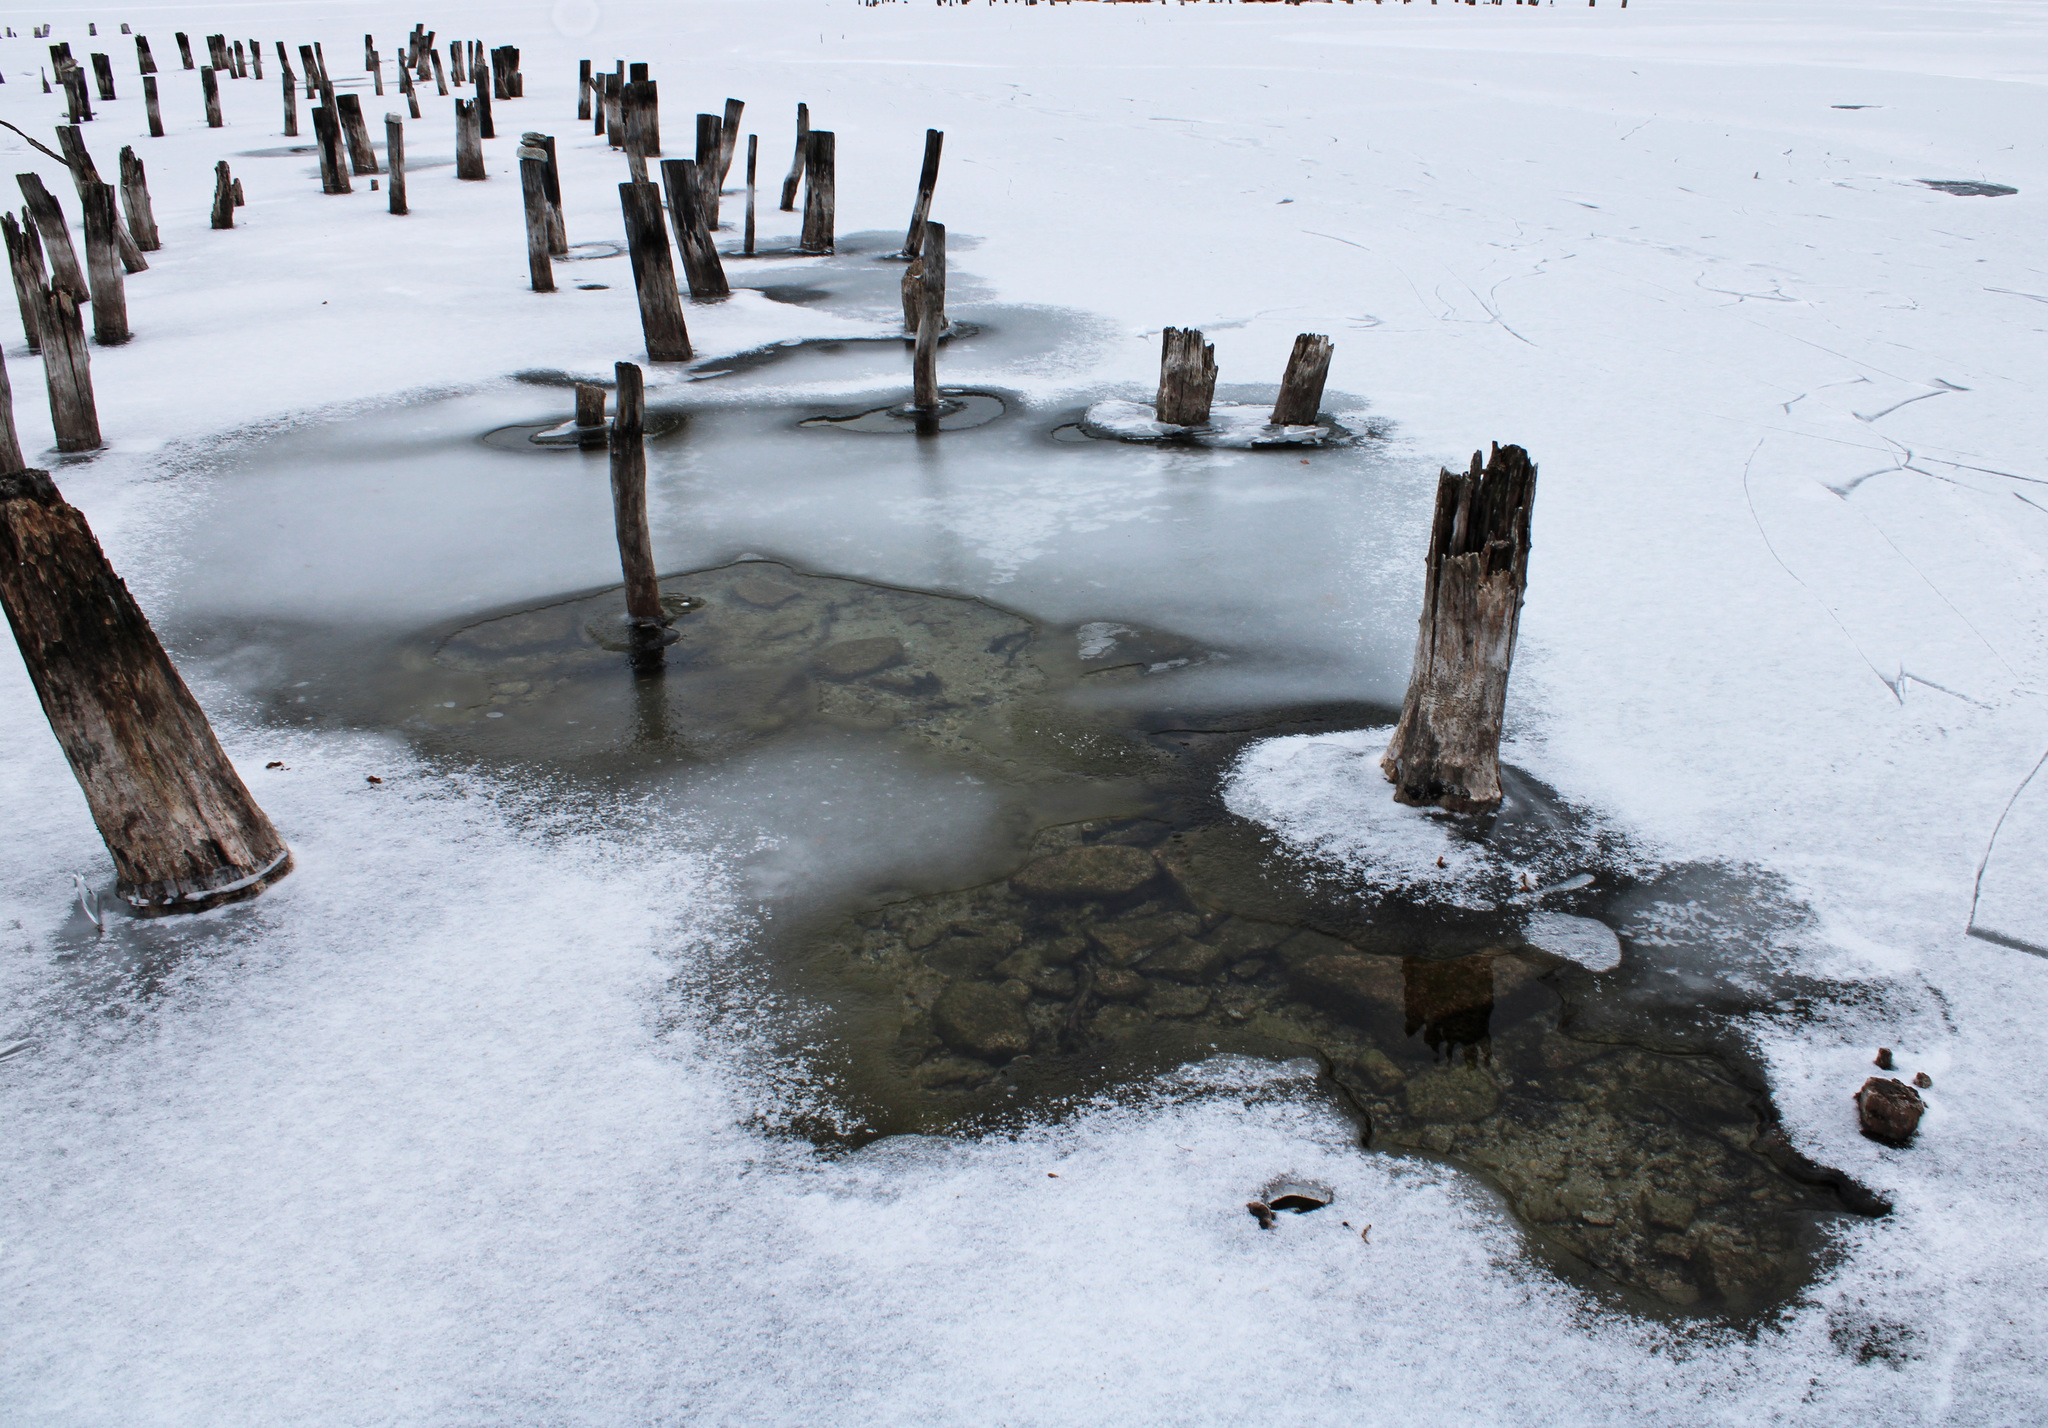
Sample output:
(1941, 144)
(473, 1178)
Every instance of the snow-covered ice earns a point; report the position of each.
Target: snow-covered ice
(434, 1132)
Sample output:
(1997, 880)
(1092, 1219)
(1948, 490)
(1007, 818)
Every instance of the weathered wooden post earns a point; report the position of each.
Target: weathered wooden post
(1446, 749)
(927, 184)
(728, 139)
(469, 141)
(533, 188)
(590, 428)
(629, 516)
(654, 277)
(640, 106)
(374, 63)
(10, 440)
(211, 88)
(103, 264)
(796, 164)
(558, 232)
(73, 76)
(394, 156)
(150, 106)
(184, 49)
(483, 103)
(1187, 378)
(819, 167)
(333, 162)
(241, 65)
(223, 197)
(362, 154)
(184, 833)
(256, 56)
(49, 217)
(84, 174)
(747, 242)
(583, 90)
(410, 90)
(103, 75)
(311, 64)
(440, 78)
(701, 266)
(25, 265)
(1301, 388)
(931, 320)
(135, 202)
(291, 106)
(145, 62)
(709, 139)
(67, 369)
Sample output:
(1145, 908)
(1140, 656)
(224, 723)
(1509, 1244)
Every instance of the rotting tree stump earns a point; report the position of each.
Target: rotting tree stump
(1446, 749)
(1187, 378)
(184, 832)
(1301, 387)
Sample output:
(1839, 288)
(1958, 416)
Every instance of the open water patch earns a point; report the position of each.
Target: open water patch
(1970, 188)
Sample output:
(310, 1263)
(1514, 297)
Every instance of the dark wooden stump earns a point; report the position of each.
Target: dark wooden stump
(629, 516)
(394, 159)
(85, 174)
(747, 239)
(256, 56)
(67, 369)
(927, 184)
(184, 50)
(533, 189)
(333, 160)
(1301, 388)
(151, 107)
(10, 441)
(65, 272)
(796, 164)
(312, 68)
(924, 363)
(1187, 378)
(210, 86)
(709, 137)
(135, 202)
(583, 89)
(184, 832)
(145, 63)
(1446, 750)
(25, 265)
(362, 154)
(819, 201)
(640, 107)
(728, 139)
(558, 231)
(223, 196)
(440, 77)
(654, 276)
(613, 111)
(469, 141)
(483, 104)
(103, 75)
(103, 265)
(590, 414)
(702, 268)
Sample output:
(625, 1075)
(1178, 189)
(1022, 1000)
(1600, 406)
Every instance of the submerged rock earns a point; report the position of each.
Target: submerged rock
(850, 659)
(1110, 870)
(982, 1021)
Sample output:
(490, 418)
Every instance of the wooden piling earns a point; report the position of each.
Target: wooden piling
(362, 154)
(629, 516)
(589, 410)
(728, 139)
(103, 264)
(149, 104)
(654, 276)
(135, 202)
(1446, 749)
(440, 78)
(211, 87)
(796, 164)
(818, 193)
(103, 75)
(333, 160)
(747, 242)
(312, 68)
(1187, 378)
(533, 188)
(469, 143)
(291, 106)
(394, 156)
(483, 105)
(1301, 389)
(640, 105)
(67, 369)
(927, 183)
(701, 266)
(145, 62)
(84, 174)
(65, 272)
(931, 320)
(223, 197)
(256, 56)
(241, 68)
(10, 440)
(583, 89)
(74, 90)
(184, 833)
(25, 266)
(558, 232)
(185, 50)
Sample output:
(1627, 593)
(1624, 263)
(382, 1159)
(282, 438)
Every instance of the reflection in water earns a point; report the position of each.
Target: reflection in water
(1450, 1003)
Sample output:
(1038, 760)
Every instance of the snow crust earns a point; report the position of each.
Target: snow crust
(421, 1136)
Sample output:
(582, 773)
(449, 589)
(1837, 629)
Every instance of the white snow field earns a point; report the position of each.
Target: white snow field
(429, 1135)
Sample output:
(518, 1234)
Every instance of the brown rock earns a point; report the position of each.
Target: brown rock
(1889, 1110)
(1119, 984)
(1166, 999)
(982, 1021)
(1184, 961)
(850, 659)
(1107, 870)
(1353, 982)
(1130, 938)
